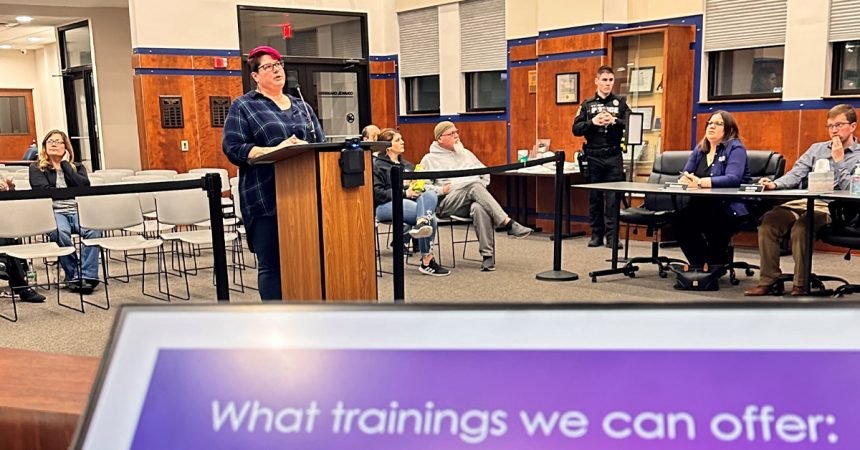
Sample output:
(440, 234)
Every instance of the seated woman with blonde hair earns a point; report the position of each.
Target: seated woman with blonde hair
(56, 169)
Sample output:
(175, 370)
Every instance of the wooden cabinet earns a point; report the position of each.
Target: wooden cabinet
(654, 69)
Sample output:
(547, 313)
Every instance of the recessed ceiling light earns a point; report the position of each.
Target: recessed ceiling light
(24, 19)
(34, 39)
(5, 46)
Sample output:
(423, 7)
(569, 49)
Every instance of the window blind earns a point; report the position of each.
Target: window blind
(737, 24)
(482, 34)
(419, 42)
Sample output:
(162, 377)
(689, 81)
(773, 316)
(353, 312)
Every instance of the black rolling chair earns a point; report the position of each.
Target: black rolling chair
(762, 164)
(843, 231)
(657, 212)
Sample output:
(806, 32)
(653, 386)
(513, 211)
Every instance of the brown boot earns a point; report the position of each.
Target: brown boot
(759, 291)
(798, 291)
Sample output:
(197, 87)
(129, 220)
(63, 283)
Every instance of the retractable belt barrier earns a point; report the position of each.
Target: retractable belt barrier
(397, 177)
(211, 183)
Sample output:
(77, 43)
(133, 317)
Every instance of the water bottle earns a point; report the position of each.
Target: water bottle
(31, 276)
(855, 181)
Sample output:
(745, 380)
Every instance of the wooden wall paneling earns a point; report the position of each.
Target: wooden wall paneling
(209, 138)
(417, 138)
(555, 121)
(766, 130)
(523, 52)
(208, 63)
(568, 44)
(141, 121)
(163, 144)
(487, 140)
(383, 102)
(166, 62)
(523, 112)
(810, 130)
(789, 132)
(382, 67)
(13, 146)
(678, 84)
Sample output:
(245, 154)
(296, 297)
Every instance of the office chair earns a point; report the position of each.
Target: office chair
(657, 211)
(843, 231)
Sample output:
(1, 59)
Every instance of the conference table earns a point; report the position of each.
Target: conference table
(518, 194)
(776, 195)
(43, 397)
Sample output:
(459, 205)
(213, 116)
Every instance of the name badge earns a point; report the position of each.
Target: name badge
(751, 188)
(675, 186)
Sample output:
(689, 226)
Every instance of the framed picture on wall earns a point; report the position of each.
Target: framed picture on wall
(567, 88)
(647, 115)
(642, 79)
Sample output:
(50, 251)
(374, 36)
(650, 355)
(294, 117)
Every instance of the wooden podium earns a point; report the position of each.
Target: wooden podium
(326, 231)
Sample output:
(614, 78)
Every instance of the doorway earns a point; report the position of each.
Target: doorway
(334, 94)
(325, 54)
(80, 94)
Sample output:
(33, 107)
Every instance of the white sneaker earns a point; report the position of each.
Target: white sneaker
(422, 229)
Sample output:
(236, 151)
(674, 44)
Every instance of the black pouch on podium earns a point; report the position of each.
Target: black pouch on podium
(697, 278)
(351, 168)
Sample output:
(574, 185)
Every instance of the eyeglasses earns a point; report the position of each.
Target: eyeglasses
(716, 124)
(836, 126)
(271, 66)
(55, 142)
(457, 132)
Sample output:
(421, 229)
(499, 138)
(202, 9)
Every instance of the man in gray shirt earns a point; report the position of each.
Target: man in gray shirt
(843, 152)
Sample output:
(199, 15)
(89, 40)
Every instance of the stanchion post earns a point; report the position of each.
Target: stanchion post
(556, 274)
(212, 185)
(397, 233)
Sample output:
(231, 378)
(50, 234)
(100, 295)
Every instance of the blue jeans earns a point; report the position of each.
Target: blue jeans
(412, 210)
(263, 239)
(89, 264)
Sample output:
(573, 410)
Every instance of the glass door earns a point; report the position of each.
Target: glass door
(336, 95)
(80, 94)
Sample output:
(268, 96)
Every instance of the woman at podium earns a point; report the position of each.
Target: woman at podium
(261, 121)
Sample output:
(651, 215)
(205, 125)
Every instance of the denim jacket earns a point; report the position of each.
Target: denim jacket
(729, 169)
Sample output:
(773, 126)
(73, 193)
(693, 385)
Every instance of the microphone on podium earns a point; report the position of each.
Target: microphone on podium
(308, 112)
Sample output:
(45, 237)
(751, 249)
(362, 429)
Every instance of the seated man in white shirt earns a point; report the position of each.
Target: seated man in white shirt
(467, 196)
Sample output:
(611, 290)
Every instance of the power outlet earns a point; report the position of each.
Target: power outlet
(183, 144)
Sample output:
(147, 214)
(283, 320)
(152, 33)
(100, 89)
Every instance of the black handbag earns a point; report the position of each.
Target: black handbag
(697, 278)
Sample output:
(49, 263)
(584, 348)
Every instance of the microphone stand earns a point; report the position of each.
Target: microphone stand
(308, 112)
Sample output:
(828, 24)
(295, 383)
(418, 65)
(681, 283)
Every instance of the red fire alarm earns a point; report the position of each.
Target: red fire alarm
(219, 62)
(288, 31)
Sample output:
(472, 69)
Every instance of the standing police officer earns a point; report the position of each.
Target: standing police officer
(601, 120)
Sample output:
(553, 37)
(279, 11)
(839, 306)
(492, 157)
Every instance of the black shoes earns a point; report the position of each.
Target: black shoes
(597, 241)
(433, 269)
(85, 287)
(30, 295)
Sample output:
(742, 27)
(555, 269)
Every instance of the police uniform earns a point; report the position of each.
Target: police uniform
(602, 152)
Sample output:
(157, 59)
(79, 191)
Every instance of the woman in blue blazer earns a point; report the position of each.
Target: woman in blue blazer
(705, 227)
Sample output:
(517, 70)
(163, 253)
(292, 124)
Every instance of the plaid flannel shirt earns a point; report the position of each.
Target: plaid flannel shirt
(255, 120)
